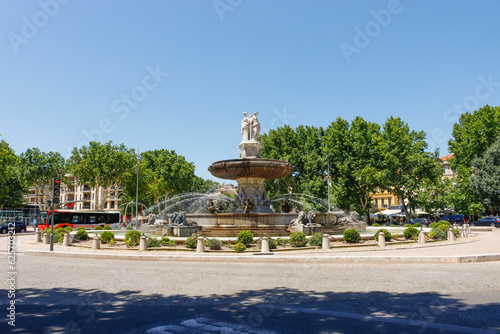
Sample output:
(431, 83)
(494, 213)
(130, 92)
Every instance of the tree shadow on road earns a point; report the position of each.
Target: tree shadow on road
(279, 310)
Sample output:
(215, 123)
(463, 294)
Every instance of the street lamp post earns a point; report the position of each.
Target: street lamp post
(137, 191)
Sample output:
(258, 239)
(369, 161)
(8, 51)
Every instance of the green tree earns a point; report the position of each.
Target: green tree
(11, 183)
(473, 134)
(355, 163)
(162, 173)
(102, 166)
(461, 196)
(301, 147)
(408, 168)
(39, 169)
(200, 185)
(485, 180)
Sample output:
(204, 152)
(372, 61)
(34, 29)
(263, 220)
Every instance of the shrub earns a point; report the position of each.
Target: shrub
(82, 234)
(107, 227)
(298, 239)
(376, 224)
(81, 228)
(281, 241)
(351, 236)
(245, 237)
(107, 237)
(68, 229)
(129, 228)
(443, 227)
(417, 225)
(239, 247)
(316, 239)
(456, 232)
(191, 242)
(395, 236)
(58, 237)
(272, 243)
(437, 233)
(132, 238)
(213, 244)
(408, 225)
(433, 225)
(410, 233)
(388, 235)
(152, 242)
(167, 241)
(98, 228)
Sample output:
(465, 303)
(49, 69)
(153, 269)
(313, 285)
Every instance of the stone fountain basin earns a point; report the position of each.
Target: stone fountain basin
(268, 169)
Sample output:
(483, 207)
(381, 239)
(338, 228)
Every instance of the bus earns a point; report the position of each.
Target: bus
(76, 219)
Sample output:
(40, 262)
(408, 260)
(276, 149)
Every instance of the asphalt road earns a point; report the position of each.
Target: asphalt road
(64, 295)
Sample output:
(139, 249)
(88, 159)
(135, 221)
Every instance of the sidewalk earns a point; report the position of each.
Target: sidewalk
(480, 247)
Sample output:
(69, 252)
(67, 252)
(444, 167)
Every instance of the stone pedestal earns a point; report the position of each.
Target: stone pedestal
(250, 149)
(143, 245)
(184, 231)
(451, 235)
(421, 237)
(66, 240)
(381, 239)
(326, 242)
(96, 244)
(265, 245)
(38, 236)
(308, 229)
(200, 245)
(46, 238)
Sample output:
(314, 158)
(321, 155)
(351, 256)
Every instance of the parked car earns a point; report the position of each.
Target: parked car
(459, 219)
(18, 226)
(487, 221)
(423, 221)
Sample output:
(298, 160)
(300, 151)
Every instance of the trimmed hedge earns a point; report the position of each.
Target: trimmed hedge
(298, 239)
(245, 237)
(351, 236)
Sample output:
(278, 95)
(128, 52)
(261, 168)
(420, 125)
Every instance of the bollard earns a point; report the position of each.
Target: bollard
(143, 244)
(96, 244)
(467, 229)
(326, 242)
(38, 236)
(46, 238)
(451, 235)
(66, 240)
(200, 245)
(463, 231)
(265, 245)
(381, 239)
(421, 237)
(455, 226)
(493, 227)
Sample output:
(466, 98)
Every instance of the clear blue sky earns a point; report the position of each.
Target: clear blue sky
(67, 68)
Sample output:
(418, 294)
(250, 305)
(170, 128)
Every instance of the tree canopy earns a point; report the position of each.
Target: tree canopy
(485, 180)
(473, 134)
(11, 182)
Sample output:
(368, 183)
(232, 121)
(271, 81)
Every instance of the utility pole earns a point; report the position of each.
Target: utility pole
(329, 181)
(56, 191)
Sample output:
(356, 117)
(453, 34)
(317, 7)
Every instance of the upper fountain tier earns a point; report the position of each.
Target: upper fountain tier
(234, 169)
(251, 170)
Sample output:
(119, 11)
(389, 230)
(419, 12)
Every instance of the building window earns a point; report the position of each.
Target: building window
(383, 202)
(389, 200)
(376, 202)
(112, 205)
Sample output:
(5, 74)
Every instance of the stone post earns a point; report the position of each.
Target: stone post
(265, 245)
(467, 228)
(96, 244)
(200, 245)
(381, 239)
(455, 225)
(421, 237)
(326, 242)
(493, 227)
(66, 240)
(38, 236)
(451, 235)
(46, 238)
(143, 244)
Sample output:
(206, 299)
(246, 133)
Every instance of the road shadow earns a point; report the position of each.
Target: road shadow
(279, 310)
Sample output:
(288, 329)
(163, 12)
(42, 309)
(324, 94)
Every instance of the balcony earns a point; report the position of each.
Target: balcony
(86, 188)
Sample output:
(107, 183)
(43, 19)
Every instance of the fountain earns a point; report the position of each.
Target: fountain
(251, 206)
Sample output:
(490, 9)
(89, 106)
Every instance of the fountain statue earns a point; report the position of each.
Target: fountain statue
(251, 171)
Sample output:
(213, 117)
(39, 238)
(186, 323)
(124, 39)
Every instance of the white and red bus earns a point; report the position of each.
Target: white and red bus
(76, 219)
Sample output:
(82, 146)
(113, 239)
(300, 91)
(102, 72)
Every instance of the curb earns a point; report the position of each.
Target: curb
(274, 259)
